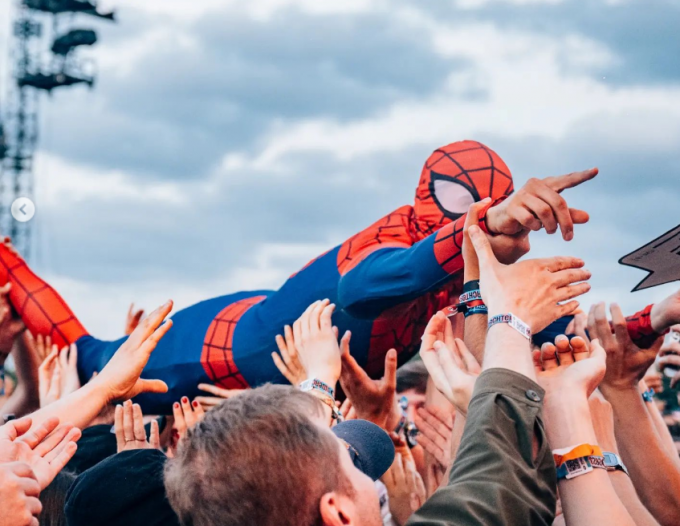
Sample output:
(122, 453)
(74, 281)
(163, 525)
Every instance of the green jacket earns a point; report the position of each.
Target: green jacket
(495, 479)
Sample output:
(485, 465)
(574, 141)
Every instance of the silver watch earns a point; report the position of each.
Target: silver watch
(613, 462)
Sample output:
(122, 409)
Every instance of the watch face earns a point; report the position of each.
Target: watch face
(610, 460)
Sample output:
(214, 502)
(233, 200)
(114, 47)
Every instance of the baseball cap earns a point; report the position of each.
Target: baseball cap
(370, 448)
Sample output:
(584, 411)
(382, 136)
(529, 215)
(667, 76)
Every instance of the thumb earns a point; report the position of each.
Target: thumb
(151, 386)
(473, 212)
(482, 246)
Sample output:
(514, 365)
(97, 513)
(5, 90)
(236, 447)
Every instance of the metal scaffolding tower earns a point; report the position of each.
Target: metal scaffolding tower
(39, 64)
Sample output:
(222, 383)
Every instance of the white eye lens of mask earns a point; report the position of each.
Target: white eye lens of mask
(452, 197)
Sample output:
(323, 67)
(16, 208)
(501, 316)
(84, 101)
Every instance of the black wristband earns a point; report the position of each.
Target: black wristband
(473, 284)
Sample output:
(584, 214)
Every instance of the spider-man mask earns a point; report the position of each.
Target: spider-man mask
(454, 177)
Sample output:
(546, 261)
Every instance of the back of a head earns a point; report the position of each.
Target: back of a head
(53, 499)
(258, 458)
(412, 375)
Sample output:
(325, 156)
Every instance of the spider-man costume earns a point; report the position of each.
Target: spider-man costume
(387, 281)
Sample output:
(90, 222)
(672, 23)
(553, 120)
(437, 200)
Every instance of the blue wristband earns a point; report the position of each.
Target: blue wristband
(477, 309)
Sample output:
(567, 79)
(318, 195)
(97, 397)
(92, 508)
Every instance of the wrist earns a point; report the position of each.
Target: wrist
(657, 318)
(98, 388)
(622, 386)
(568, 420)
(326, 376)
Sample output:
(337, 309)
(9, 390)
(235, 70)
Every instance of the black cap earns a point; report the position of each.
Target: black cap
(370, 448)
(123, 490)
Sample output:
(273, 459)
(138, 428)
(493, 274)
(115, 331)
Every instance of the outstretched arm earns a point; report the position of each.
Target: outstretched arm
(388, 276)
(385, 277)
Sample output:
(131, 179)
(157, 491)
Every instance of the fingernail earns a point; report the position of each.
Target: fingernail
(185, 400)
(175, 405)
(194, 403)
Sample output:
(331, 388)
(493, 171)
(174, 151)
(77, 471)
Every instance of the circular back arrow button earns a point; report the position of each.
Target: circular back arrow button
(23, 209)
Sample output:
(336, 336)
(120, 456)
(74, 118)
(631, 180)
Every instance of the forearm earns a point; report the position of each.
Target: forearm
(20, 403)
(587, 499)
(78, 408)
(625, 490)
(659, 425)
(27, 363)
(644, 454)
(392, 275)
(507, 349)
(475, 335)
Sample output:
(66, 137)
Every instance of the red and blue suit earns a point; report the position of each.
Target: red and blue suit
(387, 281)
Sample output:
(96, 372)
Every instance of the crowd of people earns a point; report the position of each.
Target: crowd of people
(521, 409)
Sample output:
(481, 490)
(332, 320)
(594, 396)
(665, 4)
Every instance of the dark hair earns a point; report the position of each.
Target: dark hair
(412, 375)
(257, 458)
(53, 499)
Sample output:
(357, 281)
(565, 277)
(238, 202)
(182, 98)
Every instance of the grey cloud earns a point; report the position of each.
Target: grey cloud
(183, 107)
(643, 35)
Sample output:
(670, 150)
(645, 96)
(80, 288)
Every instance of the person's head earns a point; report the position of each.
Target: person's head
(266, 457)
(412, 383)
(53, 499)
(454, 177)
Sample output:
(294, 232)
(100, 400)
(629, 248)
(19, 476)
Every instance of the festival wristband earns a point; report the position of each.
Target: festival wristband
(648, 395)
(467, 297)
(477, 309)
(513, 321)
(327, 391)
(574, 468)
(473, 284)
(570, 453)
(317, 385)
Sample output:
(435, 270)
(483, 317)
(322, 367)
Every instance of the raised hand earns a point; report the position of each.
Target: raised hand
(507, 249)
(68, 362)
(570, 367)
(186, 415)
(452, 367)
(289, 362)
(405, 489)
(317, 343)
(372, 400)
(120, 378)
(133, 319)
(538, 204)
(626, 362)
(569, 378)
(49, 378)
(130, 431)
(435, 428)
(533, 289)
(46, 449)
(19, 494)
(220, 395)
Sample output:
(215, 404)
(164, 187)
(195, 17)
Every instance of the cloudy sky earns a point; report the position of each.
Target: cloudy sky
(228, 142)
